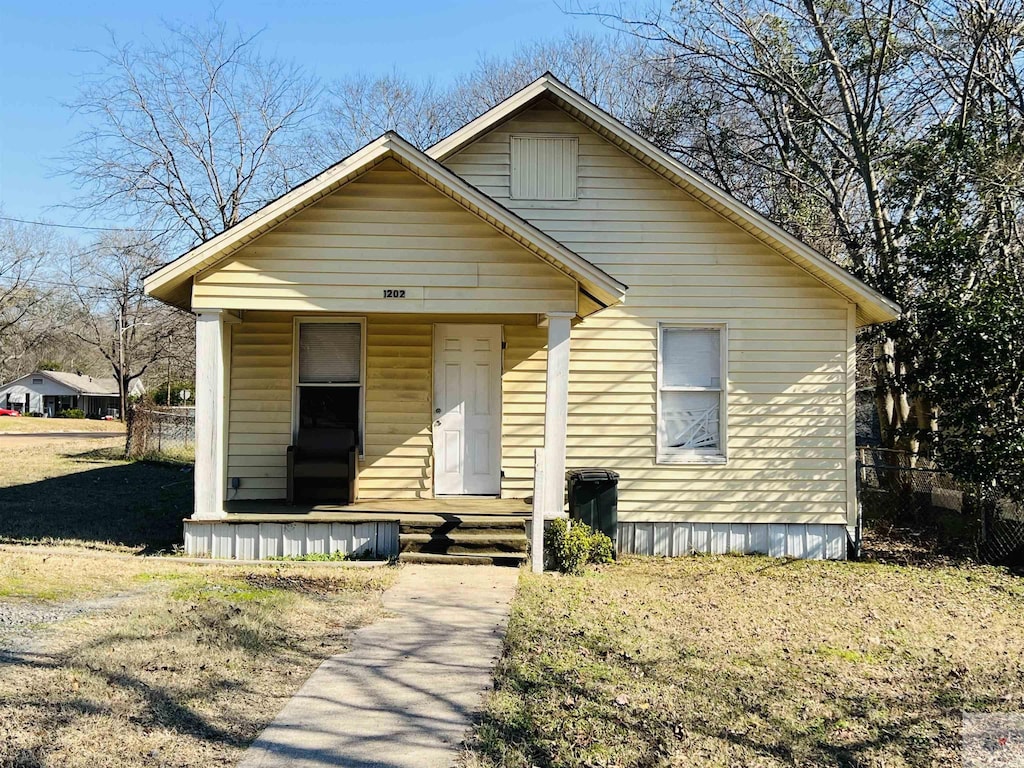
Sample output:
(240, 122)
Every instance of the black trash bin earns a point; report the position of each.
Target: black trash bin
(594, 499)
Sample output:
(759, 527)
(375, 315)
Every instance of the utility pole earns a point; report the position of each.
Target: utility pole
(170, 345)
(122, 411)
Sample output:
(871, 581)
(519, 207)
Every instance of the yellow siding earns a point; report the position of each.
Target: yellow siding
(398, 417)
(789, 336)
(385, 230)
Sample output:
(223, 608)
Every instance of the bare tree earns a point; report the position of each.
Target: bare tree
(361, 107)
(26, 289)
(186, 137)
(191, 134)
(617, 72)
(889, 134)
(114, 316)
(815, 98)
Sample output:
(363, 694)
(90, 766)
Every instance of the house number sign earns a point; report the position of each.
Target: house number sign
(394, 293)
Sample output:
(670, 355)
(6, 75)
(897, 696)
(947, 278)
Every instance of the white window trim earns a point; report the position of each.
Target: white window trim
(296, 322)
(572, 138)
(682, 455)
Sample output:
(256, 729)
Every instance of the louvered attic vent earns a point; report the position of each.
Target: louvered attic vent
(544, 167)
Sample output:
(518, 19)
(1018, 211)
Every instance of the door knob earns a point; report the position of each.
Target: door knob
(437, 423)
(437, 410)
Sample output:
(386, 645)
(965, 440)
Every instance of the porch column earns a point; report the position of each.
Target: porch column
(211, 413)
(556, 411)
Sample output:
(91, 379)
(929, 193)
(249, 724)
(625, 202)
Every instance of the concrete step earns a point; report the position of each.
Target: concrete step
(513, 559)
(460, 542)
(467, 524)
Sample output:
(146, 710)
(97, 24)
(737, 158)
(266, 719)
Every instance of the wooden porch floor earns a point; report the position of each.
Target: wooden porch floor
(373, 511)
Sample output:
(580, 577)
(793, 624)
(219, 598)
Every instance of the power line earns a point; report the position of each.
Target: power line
(63, 283)
(78, 226)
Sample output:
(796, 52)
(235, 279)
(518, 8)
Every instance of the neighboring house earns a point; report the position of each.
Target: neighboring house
(543, 278)
(51, 392)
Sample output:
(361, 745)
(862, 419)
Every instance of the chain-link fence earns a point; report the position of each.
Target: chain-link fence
(161, 432)
(909, 491)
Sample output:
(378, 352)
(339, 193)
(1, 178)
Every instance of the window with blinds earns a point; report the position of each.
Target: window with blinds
(330, 354)
(691, 395)
(544, 167)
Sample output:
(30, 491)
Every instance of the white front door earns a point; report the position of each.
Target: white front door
(467, 410)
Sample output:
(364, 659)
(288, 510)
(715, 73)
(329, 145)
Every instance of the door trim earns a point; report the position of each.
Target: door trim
(438, 330)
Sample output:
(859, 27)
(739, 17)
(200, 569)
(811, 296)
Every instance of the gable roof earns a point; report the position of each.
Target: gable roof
(872, 306)
(83, 385)
(171, 283)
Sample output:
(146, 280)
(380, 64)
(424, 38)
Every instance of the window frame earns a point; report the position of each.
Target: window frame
(297, 322)
(572, 138)
(668, 455)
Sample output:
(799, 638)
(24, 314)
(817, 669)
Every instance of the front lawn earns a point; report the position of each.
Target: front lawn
(27, 424)
(158, 662)
(81, 491)
(749, 661)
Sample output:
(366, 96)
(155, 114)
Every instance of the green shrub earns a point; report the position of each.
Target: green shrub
(71, 413)
(574, 546)
(602, 550)
(177, 387)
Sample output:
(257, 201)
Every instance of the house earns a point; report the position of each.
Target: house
(543, 278)
(52, 392)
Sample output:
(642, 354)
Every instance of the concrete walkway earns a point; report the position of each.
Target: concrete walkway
(405, 693)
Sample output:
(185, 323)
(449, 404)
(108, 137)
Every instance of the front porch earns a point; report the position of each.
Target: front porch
(419, 323)
(463, 529)
(403, 406)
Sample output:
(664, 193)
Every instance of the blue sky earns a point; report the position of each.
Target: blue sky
(43, 56)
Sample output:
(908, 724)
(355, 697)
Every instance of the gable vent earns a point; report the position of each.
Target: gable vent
(544, 167)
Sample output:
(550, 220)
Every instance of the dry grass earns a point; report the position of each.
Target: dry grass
(729, 661)
(23, 424)
(44, 458)
(80, 491)
(64, 573)
(185, 672)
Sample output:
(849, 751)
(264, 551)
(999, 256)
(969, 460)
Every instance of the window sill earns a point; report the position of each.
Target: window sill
(695, 460)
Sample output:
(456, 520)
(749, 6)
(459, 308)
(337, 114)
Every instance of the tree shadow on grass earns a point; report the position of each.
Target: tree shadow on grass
(140, 666)
(918, 729)
(131, 669)
(137, 504)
